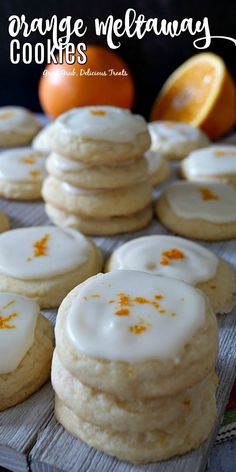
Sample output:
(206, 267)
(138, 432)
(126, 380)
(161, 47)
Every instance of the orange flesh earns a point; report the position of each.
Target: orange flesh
(186, 96)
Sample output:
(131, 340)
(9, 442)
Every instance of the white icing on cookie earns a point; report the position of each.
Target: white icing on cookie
(41, 252)
(17, 118)
(41, 141)
(134, 316)
(210, 161)
(18, 316)
(154, 160)
(170, 256)
(213, 202)
(173, 133)
(103, 123)
(79, 190)
(22, 164)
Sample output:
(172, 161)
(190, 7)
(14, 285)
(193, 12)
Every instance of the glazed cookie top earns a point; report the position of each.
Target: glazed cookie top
(133, 316)
(173, 133)
(154, 160)
(41, 252)
(214, 202)
(41, 140)
(170, 256)
(17, 118)
(18, 316)
(103, 123)
(22, 164)
(213, 160)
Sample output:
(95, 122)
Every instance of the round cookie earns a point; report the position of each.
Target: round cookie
(45, 263)
(97, 176)
(100, 226)
(214, 163)
(97, 203)
(151, 446)
(175, 140)
(100, 135)
(22, 171)
(104, 410)
(179, 258)
(17, 126)
(41, 140)
(138, 326)
(199, 211)
(25, 349)
(4, 222)
(158, 168)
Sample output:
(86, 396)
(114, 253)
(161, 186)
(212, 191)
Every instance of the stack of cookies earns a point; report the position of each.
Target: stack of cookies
(98, 181)
(133, 368)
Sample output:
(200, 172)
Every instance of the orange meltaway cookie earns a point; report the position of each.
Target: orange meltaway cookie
(175, 140)
(22, 171)
(25, 349)
(17, 126)
(199, 210)
(179, 258)
(136, 354)
(45, 263)
(214, 163)
(100, 135)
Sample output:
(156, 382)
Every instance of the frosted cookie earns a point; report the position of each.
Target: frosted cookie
(136, 335)
(214, 163)
(175, 140)
(41, 140)
(45, 263)
(22, 171)
(158, 168)
(181, 259)
(100, 135)
(149, 446)
(4, 222)
(25, 349)
(17, 126)
(100, 226)
(104, 410)
(199, 211)
(96, 203)
(96, 176)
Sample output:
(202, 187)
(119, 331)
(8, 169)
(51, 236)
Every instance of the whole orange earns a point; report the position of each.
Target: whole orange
(67, 86)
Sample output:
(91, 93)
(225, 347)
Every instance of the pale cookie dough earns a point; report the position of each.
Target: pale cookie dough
(181, 259)
(17, 126)
(97, 203)
(100, 135)
(22, 171)
(214, 163)
(41, 140)
(25, 349)
(100, 226)
(144, 335)
(150, 446)
(96, 176)
(158, 168)
(199, 211)
(106, 411)
(4, 222)
(45, 263)
(176, 140)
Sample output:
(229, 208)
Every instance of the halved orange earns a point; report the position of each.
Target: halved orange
(200, 92)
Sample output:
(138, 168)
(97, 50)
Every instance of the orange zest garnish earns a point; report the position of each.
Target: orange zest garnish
(207, 194)
(219, 153)
(122, 312)
(6, 115)
(40, 247)
(98, 112)
(34, 173)
(172, 254)
(138, 328)
(28, 160)
(124, 300)
(4, 322)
